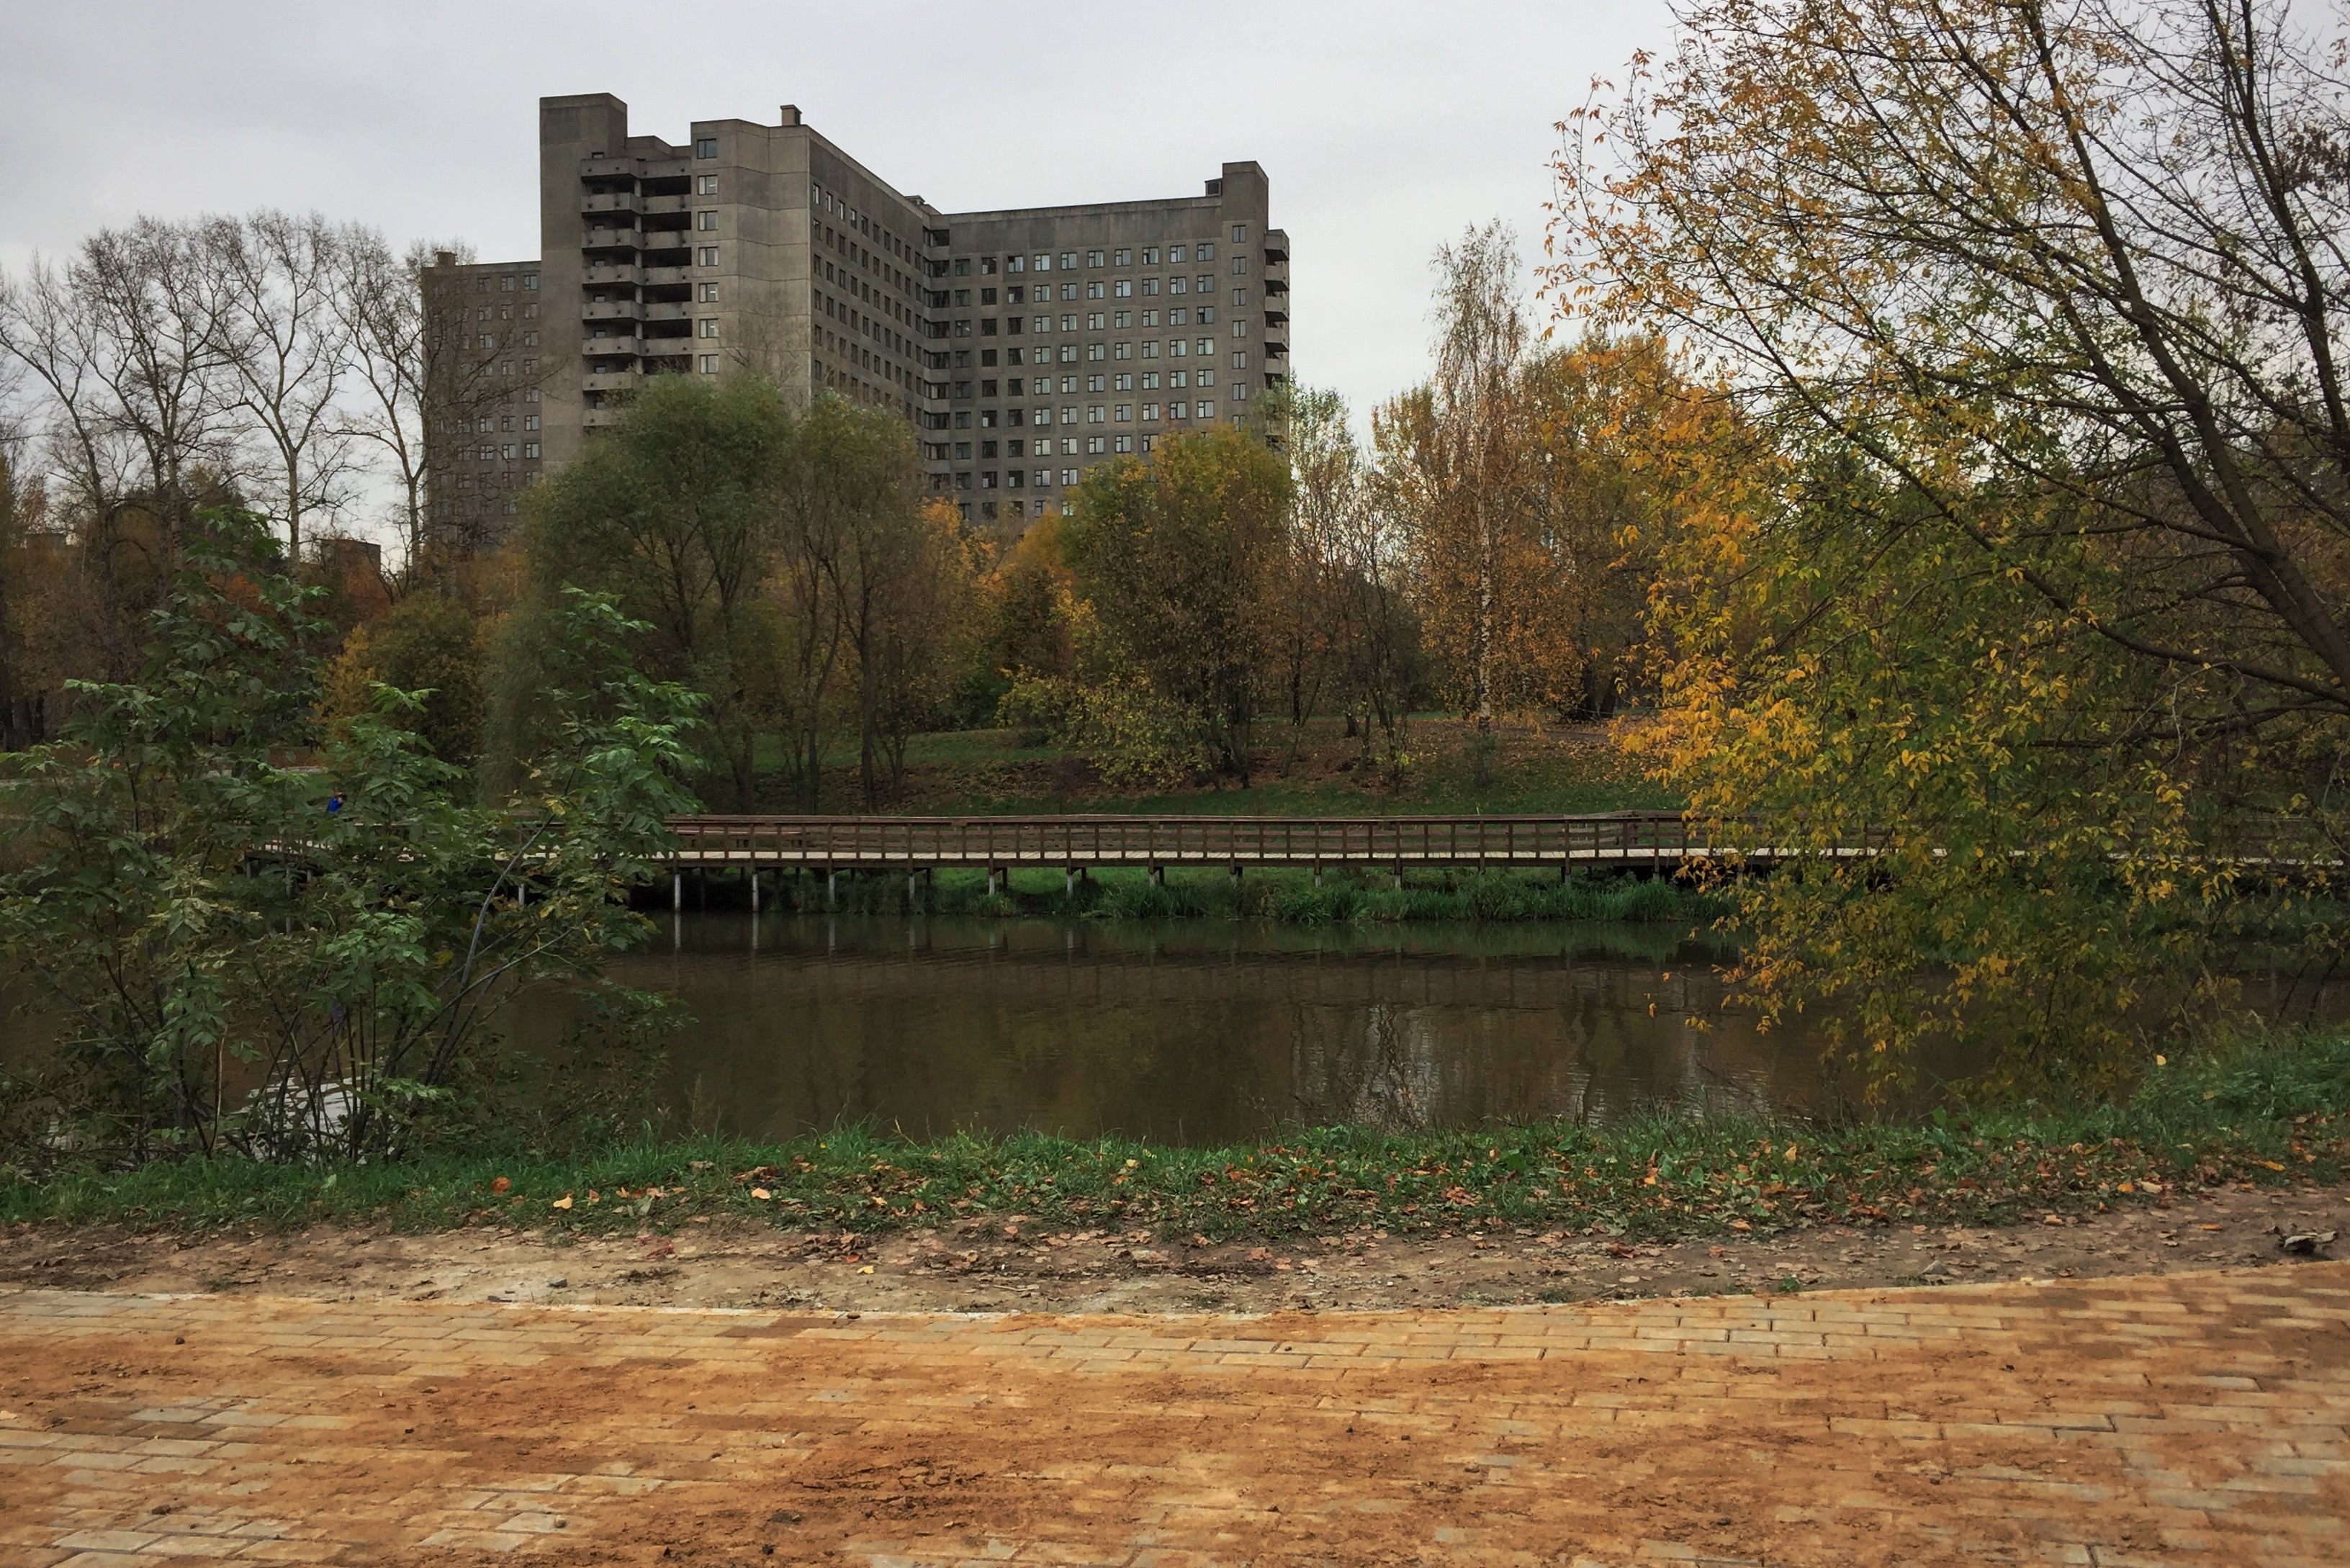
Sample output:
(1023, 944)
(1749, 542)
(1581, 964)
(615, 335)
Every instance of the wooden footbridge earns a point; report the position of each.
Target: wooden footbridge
(1654, 841)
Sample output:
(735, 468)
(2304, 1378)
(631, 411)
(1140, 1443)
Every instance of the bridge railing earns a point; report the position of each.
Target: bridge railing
(918, 841)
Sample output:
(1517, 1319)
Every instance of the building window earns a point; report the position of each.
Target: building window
(1207, 377)
(507, 283)
(707, 147)
(706, 221)
(1240, 266)
(1124, 382)
(1175, 285)
(1177, 347)
(1150, 286)
(708, 255)
(1095, 414)
(530, 449)
(1044, 264)
(1068, 384)
(1068, 476)
(1097, 445)
(1015, 263)
(987, 266)
(1068, 261)
(1123, 443)
(1150, 381)
(1177, 256)
(1122, 350)
(1094, 289)
(710, 327)
(530, 280)
(710, 364)
(1204, 252)
(1093, 321)
(1240, 234)
(1093, 351)
(1122, 414)
(1178, 379)
(708, 294)
(1240, 358)
(1150, 415)
(1240, 391)
(708, 185)
(530, 422)
(1125, 289)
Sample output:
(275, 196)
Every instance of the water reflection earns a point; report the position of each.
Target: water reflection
(1197, 1032)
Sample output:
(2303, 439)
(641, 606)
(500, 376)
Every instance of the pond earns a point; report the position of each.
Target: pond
(1199, 1031)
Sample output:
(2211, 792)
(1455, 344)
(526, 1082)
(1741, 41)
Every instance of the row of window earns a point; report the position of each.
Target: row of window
(1099, 288)
(492, 452)
(506, 282)
(1098, 257)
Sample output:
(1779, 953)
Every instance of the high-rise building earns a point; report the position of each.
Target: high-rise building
(1023, 346)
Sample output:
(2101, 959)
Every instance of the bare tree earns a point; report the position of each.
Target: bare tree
(284, 340)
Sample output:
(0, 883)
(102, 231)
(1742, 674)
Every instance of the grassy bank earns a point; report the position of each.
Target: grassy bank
(2274, 1111)
(1286, 894)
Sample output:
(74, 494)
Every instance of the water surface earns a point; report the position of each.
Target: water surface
(1197, 1032)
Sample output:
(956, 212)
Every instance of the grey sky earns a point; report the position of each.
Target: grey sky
(1385, 127)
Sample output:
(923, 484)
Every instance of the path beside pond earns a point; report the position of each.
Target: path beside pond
(2128, 1419)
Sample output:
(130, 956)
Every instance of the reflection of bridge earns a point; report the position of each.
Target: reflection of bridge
(1655, 840)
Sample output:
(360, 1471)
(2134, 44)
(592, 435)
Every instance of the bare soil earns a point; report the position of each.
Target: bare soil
(1014, 1265)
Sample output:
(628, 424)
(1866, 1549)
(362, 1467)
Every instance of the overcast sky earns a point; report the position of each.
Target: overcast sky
(1385, 127)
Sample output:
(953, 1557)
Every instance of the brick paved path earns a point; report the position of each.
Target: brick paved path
(2194, 1417)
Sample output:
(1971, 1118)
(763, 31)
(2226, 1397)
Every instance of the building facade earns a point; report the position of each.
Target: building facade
(1023, 345)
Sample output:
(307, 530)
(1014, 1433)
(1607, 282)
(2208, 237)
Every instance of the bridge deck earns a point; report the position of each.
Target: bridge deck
(1613, 838)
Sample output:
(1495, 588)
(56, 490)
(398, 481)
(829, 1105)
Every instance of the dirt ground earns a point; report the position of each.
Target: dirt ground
(1000, 1265)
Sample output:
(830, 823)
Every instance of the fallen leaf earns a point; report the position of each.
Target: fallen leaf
(562, 1203)
(761, 1193)
(501, 1183)
(865, 1269)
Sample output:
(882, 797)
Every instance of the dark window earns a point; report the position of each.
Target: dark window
(707, 147)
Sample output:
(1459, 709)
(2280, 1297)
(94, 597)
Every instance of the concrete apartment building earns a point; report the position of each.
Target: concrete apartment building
(1023, 346)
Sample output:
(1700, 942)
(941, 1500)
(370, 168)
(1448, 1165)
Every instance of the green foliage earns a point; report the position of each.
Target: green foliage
(427, 644)
(1175, 559)
(294, 963)
(2264, 1112)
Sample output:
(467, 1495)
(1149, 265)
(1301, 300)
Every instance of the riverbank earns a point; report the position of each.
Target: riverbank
(1289, 894)
(2263, 1114)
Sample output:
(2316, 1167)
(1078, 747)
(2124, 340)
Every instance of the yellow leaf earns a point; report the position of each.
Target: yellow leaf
(562, 1203)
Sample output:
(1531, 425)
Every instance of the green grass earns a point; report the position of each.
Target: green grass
(1282, 893)
(2267, 1111)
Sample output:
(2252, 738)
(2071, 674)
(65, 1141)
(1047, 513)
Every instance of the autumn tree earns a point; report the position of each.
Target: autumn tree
(674, 513)
(1345, 634)
(1176, 559)
(2042, 586)
(428, 645)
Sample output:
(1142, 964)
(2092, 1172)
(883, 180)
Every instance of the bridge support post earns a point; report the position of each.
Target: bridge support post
(1159, 876)
(755, 892)
(913, 889)
(677, 892)
(1236, 878)
(994, 877)
(832, 887)
(1069, 882)
(1317, 876)
(1398, 876)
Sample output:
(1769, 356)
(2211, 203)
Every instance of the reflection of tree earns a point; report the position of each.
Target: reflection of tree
(1375, 1069)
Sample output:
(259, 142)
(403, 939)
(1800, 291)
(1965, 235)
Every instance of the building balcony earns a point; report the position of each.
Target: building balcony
(676, 347)
(662, 276)
(611, 202)
(611, 381)
(1277, 350)
(602, 419)
(668, 310)
(611, 310)
(628, 239)
(664, 203)
(611, 272)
